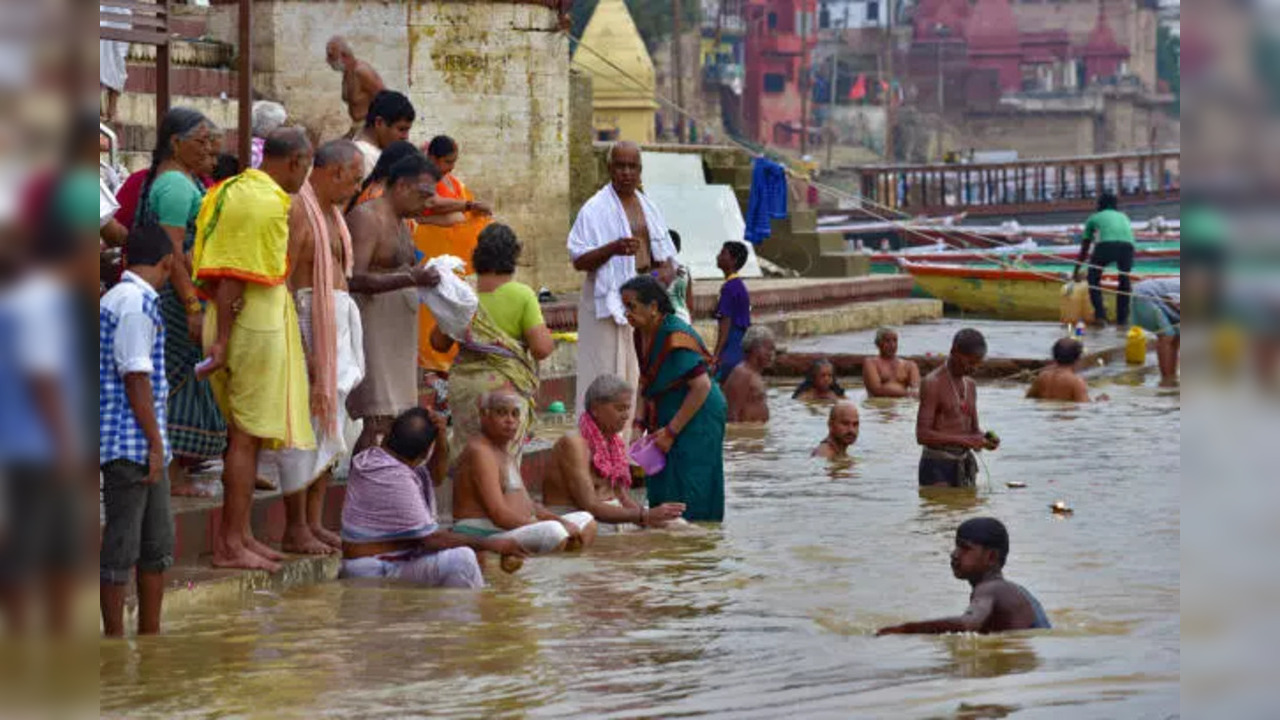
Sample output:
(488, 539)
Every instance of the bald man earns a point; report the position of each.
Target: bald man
(617, 235)
(842, 431)
(360, 82)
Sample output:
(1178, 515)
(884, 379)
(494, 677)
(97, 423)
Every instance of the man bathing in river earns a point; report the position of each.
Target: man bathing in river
(888, 375)
(490, 500)
(947, 424)
(842, 431)
(389, 527)
(995, 605)
(1060, 381)
(744, 391)
(590, 469)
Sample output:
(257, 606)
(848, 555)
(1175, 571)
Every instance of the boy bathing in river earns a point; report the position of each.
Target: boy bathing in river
(995, 605)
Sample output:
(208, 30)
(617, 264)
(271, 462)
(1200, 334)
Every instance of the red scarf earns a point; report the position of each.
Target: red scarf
(608, 455)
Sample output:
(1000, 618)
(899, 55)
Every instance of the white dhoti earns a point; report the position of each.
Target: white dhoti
(293, 469)
(604, 348)
(537, 537)
(452, 568)
(113, 67)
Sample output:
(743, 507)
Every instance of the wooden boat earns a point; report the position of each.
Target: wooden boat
(1163, 253)
(1003, 293)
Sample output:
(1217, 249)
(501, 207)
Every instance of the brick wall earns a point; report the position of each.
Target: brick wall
(494, 76)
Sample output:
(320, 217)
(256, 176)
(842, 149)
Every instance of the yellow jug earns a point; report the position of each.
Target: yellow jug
(1135, 346)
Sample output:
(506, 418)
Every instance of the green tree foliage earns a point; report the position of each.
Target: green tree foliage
(652, 18)
(1169, 63)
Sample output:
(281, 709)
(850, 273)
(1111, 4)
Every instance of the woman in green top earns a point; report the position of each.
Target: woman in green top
(504, 343)
(171, 196)
(1114, 234)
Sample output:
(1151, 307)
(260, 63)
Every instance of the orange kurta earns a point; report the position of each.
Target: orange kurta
(433, 241)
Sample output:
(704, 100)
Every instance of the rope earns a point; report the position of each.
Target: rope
(838, 193)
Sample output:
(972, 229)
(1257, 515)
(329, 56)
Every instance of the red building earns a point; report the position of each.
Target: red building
(777, 51)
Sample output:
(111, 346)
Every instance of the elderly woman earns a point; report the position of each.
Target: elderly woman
(678, 403)
(267, 116)
(506, 339)
(820, 383)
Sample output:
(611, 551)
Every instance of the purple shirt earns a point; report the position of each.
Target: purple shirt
(735, 303)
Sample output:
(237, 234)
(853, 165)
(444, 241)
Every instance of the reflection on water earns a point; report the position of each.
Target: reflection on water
(770, 614)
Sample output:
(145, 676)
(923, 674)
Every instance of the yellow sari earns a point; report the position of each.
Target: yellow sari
(433, 241)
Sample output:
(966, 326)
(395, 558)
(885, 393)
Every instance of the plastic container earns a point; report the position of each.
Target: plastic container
(1074, 305)
(556, 408)
(1135, 346)
(646, 453)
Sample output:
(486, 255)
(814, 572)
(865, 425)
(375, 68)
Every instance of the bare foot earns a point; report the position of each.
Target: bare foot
(240, 557)
(298, 539)
(255, 545)
(262, 483)
(326, 536)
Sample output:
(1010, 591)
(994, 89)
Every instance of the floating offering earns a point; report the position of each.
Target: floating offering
(511, 563)
(1016, 484)
(1061, 508)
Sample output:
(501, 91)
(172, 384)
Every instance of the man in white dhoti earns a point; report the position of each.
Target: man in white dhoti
(619, 233)
(321, 260)
(112, 65)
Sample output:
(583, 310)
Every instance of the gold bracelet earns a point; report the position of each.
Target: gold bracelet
(194, 307)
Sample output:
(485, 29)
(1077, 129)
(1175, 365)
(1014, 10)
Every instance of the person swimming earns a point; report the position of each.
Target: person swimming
(995, 605)
(820, 383)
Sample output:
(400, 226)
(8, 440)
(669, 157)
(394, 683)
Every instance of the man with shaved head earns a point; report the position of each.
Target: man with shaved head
(360, 82)
(254, 348)
(618, 234)
(320, 261)
(842, 431)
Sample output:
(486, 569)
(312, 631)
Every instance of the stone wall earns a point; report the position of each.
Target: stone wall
(584, 178)
(1134, 26)
(494, 76)
(1032, 134)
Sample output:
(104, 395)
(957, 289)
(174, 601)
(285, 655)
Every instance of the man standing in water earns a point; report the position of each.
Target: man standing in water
(360, 82)
(1060, 381)
(617, 235)
(1113, 232)
(842, 431)
(947, 424)
(744, 391)
(385, 283)
(995, 605)
(888, 375)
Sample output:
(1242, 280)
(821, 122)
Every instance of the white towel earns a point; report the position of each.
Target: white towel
(601, 221)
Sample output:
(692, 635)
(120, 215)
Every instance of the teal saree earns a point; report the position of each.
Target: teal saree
(694, 474)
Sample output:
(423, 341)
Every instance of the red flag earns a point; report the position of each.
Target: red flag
(859, 89)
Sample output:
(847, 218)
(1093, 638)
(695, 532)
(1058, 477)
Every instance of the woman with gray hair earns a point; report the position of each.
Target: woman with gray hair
(267, 116)
(590, 469)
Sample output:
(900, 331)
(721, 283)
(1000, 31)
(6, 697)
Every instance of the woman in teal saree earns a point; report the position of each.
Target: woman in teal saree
(678, 403)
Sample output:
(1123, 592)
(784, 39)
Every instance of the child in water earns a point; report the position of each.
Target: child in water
(820, 383)
(995, 605)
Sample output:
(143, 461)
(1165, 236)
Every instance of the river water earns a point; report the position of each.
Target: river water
(770, 615)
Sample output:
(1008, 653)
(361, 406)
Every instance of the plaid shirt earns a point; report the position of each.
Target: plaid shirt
(119, 434)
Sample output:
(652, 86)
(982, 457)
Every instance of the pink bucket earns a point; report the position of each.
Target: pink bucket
(648, 455)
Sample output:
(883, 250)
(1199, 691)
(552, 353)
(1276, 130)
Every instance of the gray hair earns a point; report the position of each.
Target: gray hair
(495, 399)
(336, 152)
(604, 389)
(618, 144)
(755, 335)
(267, 116)
(883, 332)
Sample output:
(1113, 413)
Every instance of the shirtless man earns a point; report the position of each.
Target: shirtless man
(590, 469)
(842, 431)
(490, 499)
(888, 375)
(947, 424)
(744, 390)
(325, 315)
(385, 282)
(1060, 381)
(360, 82)
(995, 605)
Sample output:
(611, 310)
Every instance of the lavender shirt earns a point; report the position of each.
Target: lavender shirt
(387, 500)
(735, 303)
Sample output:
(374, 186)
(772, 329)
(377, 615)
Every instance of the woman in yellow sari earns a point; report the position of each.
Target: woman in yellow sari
(451, 226)
(504, 343)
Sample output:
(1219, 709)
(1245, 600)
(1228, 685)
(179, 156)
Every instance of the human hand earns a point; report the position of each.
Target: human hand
(440, 421)
(425, 276)
(664, 513)
(1076, 274)
(215, 360)
(155, 465)
(195, 327)
(481, 208)
(506, 547)
(891, 630)
(664, 439)
(1102, 398)
(666, 274)
(625, 246)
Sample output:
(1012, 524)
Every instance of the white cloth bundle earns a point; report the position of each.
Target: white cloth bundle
(452, 302)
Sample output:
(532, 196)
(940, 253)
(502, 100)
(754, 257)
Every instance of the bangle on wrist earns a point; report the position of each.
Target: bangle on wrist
(193, 306)
(644, 516)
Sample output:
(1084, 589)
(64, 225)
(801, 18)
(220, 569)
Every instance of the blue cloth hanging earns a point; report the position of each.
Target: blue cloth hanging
(768, 200)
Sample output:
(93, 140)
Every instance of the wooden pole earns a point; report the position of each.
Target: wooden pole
(163, 64)
(677, 68)
(889, 109)
(245, 81)
(804, 79)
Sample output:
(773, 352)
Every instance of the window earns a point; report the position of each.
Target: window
(873, 12)
(774, 82)
(773, 21)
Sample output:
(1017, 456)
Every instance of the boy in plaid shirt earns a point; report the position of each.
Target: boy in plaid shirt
(132, 449)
